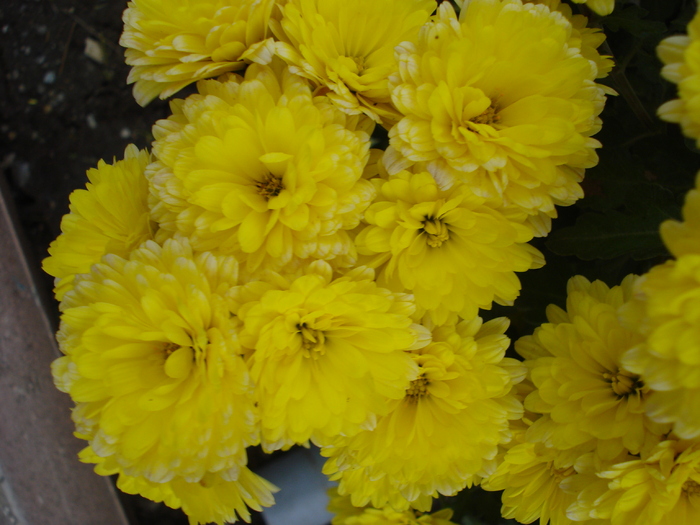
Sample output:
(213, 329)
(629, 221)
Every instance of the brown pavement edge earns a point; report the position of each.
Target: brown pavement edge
(41, 480)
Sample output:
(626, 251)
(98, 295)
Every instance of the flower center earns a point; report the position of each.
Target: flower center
(558, 474)
(417, 389)
(313, 342)
(436, 231)
(691, 488)
(170, 348)
(487, 117)
(269, 186)
(623, 383)
(359, 64)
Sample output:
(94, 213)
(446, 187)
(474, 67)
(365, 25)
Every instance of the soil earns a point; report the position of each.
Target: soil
(65, 104)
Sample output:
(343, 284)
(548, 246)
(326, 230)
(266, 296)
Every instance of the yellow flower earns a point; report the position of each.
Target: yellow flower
(512, 118)
(683, 238)
(152, 362)
(109, 216)
(347, 514)
(661, 488)
(261, 169)
(172, 43)
(667, 315)
(530, 476)
(455, 254)
(325, 354)
(212, 499)
(440, 435)
(681, 57)
(589, 400)
(601, 7)
(348, 47)
(587, 39)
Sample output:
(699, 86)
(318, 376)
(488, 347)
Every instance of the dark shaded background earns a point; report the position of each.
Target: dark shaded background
(61, 110)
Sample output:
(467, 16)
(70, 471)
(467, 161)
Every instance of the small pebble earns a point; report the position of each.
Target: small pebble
(49, 77)
(21, 174)
(94, 50)
(91, 121)
(125, 133)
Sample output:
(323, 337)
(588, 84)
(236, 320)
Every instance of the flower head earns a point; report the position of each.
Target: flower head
(489, 103)
(453, 253)
(666, 314)
(438, 437)
(110, 216)
(590, 401)
(212, 499)
(530, 476)
(683, 237)
(681, 57)
(153, 364)
(660, 488)
(587, 39)
(601, 7)
(347, 514)
(172, 43)
(261, 169)
(325, 354)
(348, 47)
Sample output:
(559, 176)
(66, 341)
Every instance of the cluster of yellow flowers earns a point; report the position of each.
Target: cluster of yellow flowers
(611, 429)
(265, 277)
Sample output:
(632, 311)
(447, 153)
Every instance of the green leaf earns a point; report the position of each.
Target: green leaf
(611, 234)
(632, 20)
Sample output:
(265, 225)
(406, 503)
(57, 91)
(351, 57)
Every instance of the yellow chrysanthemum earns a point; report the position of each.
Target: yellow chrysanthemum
(681, 57)
(454, 253)
(490, 103)
(172, 43)
(589, 400)
(152, 362)
(662, 488)
(212, 499)
(261, 169)
(347, 514)
(450, 421)
(587, 39)
(531, 476)
(348, 47)
(109, 216)
(601, 7)
(666, 313)
(683, 237)
(326, 354)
